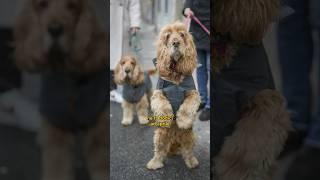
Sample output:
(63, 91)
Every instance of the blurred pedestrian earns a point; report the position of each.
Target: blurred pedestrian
(296, 55)
(201, 9)
(125, 19)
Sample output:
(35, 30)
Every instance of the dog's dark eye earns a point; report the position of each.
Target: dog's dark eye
(133, 63)
(43, 5)
(181, 34)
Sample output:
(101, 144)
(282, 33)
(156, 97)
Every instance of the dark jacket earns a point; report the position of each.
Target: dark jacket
(73, 103)
(133, 94)
(234, 86)
(201, 9)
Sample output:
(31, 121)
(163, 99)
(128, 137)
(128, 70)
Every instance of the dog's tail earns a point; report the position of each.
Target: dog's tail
(152, 71)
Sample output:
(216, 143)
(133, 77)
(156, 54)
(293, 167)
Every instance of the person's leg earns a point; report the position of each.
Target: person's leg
(313, 138)
(202, 76)
(208, 81)
(295, 55)
(204, 72)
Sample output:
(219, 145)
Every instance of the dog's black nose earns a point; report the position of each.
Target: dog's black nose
(55, 30)
(176, 43)
(127, 71)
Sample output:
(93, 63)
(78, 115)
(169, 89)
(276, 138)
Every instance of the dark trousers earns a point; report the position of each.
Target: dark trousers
(297, 55)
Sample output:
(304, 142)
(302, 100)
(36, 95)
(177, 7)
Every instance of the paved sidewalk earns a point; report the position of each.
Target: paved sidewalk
(132, 148)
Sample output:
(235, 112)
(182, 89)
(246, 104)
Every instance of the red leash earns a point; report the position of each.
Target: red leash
(198, 22)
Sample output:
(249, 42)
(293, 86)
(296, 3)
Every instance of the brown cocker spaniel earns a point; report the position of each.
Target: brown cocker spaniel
(62, 40)
(175, 96)
(137, 89)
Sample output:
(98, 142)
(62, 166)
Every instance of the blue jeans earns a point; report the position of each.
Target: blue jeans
(203, 75)
(295, 43)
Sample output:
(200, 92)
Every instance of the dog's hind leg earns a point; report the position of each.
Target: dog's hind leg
(188, 110)
(187, 141)
(250, 152)
(57, 153)
(95, 149)
(127, 113)
(143, 108)
(161, 149)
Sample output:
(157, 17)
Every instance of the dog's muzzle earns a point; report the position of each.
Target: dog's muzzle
(55, 30)
(176, 54)
(175, 51)
(56, 52)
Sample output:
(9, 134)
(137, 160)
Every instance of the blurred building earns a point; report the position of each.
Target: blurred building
(161, 12)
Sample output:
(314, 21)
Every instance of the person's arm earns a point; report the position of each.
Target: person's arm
(135, 15)
(187, 8)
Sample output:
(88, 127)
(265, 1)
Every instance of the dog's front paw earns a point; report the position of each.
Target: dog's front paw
(184, 122)
(192, 162)
(154, 164)
(160, 105)
(143, 120)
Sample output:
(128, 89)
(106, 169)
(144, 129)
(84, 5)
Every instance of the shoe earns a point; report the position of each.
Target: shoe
(115, 96)
(305, 165)
(201, 106)
(294, 143)
(205, 115)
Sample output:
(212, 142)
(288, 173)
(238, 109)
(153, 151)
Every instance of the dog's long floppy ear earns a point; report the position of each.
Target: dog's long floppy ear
(163, 56)
(246, 21)
(27, 42)
(190, 53)
(118, 75)
(162, 44)
(138, 75)
(89, 49)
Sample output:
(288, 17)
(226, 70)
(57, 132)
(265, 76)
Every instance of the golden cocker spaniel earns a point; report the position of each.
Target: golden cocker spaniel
(175, 96)
(137, 89)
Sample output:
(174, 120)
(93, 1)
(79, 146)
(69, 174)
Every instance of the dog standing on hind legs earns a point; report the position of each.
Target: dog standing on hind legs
(251, 122)
(175, 95)
(63, 40)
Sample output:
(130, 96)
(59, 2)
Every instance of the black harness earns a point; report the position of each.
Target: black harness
(73, 103)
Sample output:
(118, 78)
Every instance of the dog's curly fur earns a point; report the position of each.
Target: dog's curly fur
(245, 21)
(170, 33)
(134, 77)
(178, 138)
(83, 41)
(83, 51)
(239, 21)
(250, 152)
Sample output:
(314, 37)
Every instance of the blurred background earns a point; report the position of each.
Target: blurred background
(19, 98)
(131, 147)
(292, 45)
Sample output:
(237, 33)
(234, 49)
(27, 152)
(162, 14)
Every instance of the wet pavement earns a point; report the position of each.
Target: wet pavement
(132, 147)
